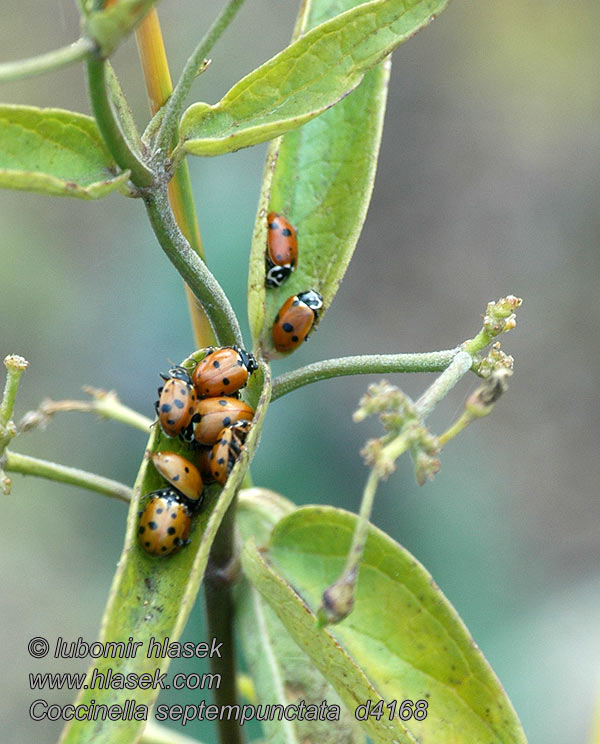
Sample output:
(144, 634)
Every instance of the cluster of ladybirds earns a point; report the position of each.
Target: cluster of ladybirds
(298, 313)
(204, 410)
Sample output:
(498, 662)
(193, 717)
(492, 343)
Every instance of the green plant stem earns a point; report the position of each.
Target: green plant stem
(435, 361)
(104, 403)
(26, 465)
(220, 618)
(174, 105)
(57, 58)
(461, 423)
(110, 127)
(15, 366)
(459, 366)
(193, 270)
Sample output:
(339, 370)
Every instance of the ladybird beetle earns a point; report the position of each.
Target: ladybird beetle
(226, 450)
(295, 319)
(164, 523)
(215, 414)
(282, 249)
(180, 473)
(223, 372)
(177, 399)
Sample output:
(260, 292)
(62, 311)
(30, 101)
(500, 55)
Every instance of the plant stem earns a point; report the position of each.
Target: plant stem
(104, 403)
(459, 366)
(26, 465)
(57, 58)
(461, 423)
(158, 88)
(110, 127)
(15, 366)
(176, 102)
(220, 617)
(193, 270)
(434, 361)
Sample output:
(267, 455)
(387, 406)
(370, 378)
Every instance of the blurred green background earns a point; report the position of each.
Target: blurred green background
(487, 185)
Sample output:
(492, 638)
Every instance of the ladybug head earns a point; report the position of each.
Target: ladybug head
(180, 373)
(248, 360)
(312, 299)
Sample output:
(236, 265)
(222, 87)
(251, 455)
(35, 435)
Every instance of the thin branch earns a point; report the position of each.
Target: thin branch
(158, 88)
(15, 366)
(104, 403)
(110, 127)
(16, 463)
(459, 367)
(220, 619)
(193, 270)
(54, 60)
(174, 106)
(435, 361)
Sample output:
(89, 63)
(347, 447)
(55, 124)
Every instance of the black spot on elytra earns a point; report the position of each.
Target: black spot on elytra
(183, 390)
(279, 257)
(222, 402)
(171, 530)
(187, 470)
(159, 511)
(295, 302)
(287, 232)
(226, 421)
(147, 544)
(226, 381)
(179, 403)
(173, 515)
(141, 530)
(165, 408)
(221, 461)
(216, 364)
(175, 478)
(164, 547)
(294, 338)
(288, 327)
(152, 525)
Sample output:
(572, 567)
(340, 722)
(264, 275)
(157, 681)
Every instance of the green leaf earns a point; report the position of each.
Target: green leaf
(306, 78)
(321, 178)
(107, 27)
(281, 672)
(403, 638)
(55, 152)
(153, 597)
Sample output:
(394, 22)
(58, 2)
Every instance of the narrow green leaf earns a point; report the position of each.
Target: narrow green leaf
(107, 27)
(153, 597)
(321, 178)
(283, 674)
(329, 657)
(403, 634)
(305, 79)
(55, 152)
